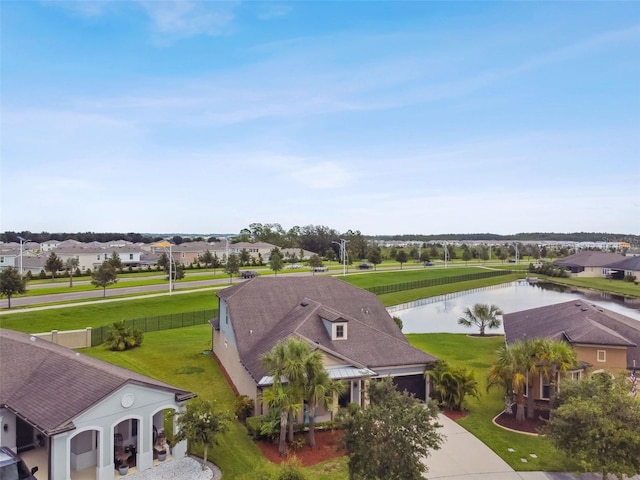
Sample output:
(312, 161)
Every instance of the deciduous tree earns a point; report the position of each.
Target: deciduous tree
(104, 276)
(275, 260)
(390, 438)
(200, 425)
(597, 422)
(232, 267)
(11, 283)
(401, 257)
(53, 265)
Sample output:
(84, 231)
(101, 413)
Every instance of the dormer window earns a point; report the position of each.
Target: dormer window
(339, 331)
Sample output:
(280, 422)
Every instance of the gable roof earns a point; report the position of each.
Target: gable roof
(49, 385)
(265, 310)
(589, 258)
(577, 322)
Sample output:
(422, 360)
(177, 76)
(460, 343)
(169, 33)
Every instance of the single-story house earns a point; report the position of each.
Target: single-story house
(356, 335)
(74, 416)
(627, 266)
(589, 263)
(602, 339)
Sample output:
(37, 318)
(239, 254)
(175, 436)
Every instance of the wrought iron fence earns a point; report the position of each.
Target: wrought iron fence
(432, 282)
(158, 322)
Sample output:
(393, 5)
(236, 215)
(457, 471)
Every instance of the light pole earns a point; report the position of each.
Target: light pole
(446, 254)
(22, 242)
(170, 270)
(343, 254)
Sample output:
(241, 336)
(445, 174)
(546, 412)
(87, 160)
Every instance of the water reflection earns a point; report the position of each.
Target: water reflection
(440, 314)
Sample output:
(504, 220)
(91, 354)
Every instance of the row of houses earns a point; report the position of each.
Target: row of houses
(78, 412)
(31, 256)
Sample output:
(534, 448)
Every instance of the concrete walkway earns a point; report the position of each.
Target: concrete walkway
(464, 457)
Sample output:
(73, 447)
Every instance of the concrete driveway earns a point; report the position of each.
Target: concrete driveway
(464, 457)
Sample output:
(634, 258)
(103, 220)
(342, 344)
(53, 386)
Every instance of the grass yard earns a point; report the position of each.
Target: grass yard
(99, 314)
(628, 289)
(478, 354)
(176, 357)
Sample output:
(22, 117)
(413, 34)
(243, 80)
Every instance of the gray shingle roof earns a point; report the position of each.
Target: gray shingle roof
(589, 258)
(266, 310)
(628, 263)
(578, 322)
(49, 385)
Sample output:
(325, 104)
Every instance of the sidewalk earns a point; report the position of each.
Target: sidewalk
(464, 457)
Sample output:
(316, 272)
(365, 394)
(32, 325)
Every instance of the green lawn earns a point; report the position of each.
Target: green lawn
(176, 357)
(628, 289)
(477, 354)
(97, 315)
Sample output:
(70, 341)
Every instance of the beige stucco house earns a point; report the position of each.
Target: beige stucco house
(356, 335)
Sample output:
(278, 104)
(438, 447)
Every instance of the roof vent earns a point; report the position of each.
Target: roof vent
(578, 304)
(304, 304)
(250, 332)
(584, 309)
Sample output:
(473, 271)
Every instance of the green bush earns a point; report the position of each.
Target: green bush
(629, 278)
(123, 337)
(254, 425)
(244, 407)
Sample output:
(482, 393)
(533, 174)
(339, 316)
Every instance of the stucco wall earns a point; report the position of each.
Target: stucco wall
(616, 357)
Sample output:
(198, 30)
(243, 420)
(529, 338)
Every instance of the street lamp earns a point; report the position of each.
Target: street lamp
(343, 254)
(164, 244)
(22, 242)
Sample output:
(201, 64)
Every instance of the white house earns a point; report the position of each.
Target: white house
(74, 416)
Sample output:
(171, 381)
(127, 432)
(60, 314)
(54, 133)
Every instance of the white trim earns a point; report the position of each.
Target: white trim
(603, 358)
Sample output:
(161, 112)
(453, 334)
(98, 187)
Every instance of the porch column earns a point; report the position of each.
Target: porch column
(145, 440)
(59, 457)
(180, 449)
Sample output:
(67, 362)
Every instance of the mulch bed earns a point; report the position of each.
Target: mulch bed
(528, 426)
(327, 444)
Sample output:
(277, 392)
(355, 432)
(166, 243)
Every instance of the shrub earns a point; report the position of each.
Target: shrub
(629, 278)
(42, 275)
(244, 407)
(291, 470)
(123, 337)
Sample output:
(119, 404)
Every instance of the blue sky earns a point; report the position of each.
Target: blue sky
(384, 117)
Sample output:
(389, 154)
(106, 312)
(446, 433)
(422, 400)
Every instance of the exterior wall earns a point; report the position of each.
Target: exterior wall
(589, 272)
(9, 260)
(615, 357)
(225, 349)
(103, 418)
(68, 338)
(8, 438)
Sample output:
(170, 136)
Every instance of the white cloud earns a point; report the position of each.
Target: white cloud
(184, 18)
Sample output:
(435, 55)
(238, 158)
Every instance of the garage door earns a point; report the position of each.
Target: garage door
(415, 384)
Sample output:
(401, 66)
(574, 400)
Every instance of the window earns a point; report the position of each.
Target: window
(131, 256)
(545, 389)
(575, 375)
(98, 257)
(339, 331)
(602, 356)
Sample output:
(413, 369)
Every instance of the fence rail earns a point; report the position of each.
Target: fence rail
(432, 282)
(158, 322)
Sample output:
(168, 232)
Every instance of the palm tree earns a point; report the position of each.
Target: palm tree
(319, 389)
(481, 315)
(557, 357)
(511, 369)
(285, 363)
(453, 384)
(71, 264)
(284, 398)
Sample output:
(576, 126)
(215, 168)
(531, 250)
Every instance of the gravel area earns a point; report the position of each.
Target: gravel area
(181, 469)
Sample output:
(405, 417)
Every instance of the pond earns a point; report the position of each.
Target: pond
(440, 314)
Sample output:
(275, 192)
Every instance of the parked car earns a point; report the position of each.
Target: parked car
(428, 264)
(249, 274)
(12, 466)
(320, 269)
(365, 266)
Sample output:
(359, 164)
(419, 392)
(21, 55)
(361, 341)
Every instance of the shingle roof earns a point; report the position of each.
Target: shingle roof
(589, 258)
(266, 310)
(578, 322)
(49, 385)
(628, 263)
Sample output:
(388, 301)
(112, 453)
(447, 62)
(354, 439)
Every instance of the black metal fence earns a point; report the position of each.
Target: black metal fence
(432, 282)
(158, 322)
